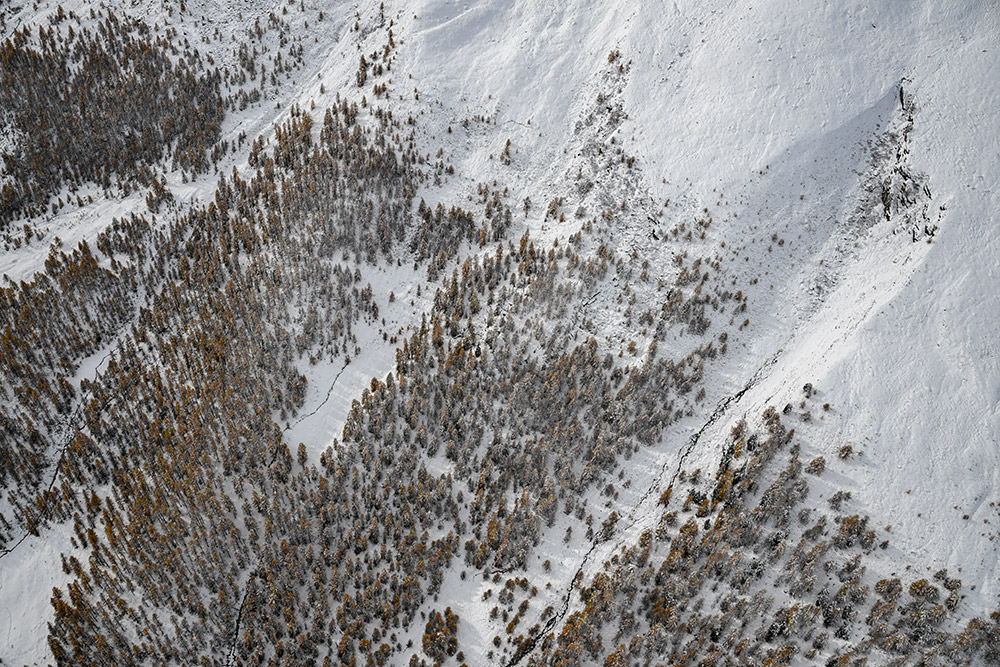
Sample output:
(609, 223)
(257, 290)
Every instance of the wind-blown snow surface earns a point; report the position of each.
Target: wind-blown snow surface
(766, 115)
(903, 342)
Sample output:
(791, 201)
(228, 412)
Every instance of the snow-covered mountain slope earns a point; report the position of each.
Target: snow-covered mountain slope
(776, 109)
(524, 285)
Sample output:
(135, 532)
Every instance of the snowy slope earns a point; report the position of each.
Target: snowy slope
(765, 117)
(903, 339)
(768, 116)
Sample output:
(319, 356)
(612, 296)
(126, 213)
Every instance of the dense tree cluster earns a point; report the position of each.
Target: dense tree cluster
(457, 457)
(335, 559)
(47, 327)
(100, 106)
(743, 574)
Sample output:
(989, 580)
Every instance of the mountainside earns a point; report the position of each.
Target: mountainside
(502, 333)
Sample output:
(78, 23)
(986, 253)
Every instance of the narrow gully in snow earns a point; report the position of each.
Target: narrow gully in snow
(71, 431)
(720, 409)
(231, 654)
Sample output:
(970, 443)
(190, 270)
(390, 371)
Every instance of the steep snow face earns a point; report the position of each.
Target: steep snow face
(771, 116)
(923, 387)
(716, 90)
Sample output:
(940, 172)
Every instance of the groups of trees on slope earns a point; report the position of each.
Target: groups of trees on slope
(199, 538)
